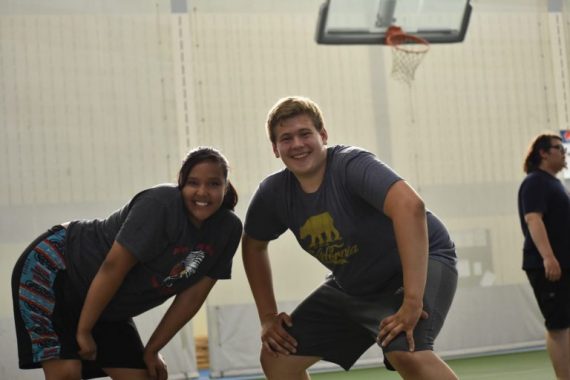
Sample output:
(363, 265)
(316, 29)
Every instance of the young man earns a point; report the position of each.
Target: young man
(392, 262)
(544, 212)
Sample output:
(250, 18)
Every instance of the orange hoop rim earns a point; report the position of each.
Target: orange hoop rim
(396, 37)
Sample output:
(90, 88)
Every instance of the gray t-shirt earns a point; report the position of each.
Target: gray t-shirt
(341, 224)
(173, 254)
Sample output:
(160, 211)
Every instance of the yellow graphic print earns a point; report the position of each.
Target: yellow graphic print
(325, 243)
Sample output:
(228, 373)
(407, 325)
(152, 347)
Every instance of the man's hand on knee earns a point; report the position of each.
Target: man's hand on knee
(276, 340)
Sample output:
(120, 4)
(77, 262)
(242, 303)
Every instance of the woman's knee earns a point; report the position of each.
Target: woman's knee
(127, 373)
(57, 369)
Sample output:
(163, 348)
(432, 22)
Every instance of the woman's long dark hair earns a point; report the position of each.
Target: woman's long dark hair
(201, 154)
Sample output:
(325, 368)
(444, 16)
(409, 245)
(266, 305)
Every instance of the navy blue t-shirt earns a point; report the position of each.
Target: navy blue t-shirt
(543, 193)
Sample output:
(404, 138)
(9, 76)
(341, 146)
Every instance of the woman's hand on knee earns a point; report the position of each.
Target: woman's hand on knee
(156, 366)
(87, 346)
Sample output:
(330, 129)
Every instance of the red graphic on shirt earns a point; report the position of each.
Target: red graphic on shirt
(189, 265)
(184, 268)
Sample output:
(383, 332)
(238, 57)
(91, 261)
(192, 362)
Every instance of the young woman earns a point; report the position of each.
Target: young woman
(76, 287)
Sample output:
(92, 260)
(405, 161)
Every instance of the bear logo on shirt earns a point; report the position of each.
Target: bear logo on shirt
(320, 228)
(325, 241)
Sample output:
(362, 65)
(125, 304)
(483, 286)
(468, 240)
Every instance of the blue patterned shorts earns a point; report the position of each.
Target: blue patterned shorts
(47, 310)
(36, 294)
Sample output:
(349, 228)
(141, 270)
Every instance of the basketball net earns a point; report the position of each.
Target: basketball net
(407, 53)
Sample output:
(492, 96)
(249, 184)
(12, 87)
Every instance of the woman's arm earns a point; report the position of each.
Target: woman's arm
(185, 305)
(408, 214)
(105, 284)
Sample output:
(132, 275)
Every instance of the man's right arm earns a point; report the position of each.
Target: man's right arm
(539, 236)
(274, 337)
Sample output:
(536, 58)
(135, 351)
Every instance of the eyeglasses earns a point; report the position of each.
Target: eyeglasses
(560, 147)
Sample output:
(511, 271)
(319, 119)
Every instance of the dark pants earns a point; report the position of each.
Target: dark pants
(553, 298)
(339, 327)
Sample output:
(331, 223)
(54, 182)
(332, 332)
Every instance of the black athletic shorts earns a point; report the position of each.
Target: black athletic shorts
(46, 314)
(339, 328)
(553, 298)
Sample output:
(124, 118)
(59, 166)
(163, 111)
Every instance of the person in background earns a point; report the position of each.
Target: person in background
(392, 262)
(77, 286)
(544, 212)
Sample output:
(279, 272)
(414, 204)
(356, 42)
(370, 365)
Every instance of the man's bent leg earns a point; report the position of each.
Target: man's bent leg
(287, 367)
(420, 365)
(558, 346)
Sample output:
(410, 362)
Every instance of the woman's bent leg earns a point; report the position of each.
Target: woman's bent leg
(59, 369)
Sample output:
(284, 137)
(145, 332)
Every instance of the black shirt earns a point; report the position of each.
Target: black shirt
(543, 193)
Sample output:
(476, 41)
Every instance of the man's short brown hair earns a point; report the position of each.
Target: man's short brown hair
(289, 107)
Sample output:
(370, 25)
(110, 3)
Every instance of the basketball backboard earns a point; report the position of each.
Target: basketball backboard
(366, 21)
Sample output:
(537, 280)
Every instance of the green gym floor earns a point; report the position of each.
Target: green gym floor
(533, 365)
(529, 365)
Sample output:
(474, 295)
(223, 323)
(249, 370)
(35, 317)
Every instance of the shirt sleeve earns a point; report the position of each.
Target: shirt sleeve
(222, 270)
(370, 178)
(143, 231)
(533, 197)
(262, 221)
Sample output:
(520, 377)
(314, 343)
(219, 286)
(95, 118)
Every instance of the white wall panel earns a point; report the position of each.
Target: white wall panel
(476, 104)
(89, 110)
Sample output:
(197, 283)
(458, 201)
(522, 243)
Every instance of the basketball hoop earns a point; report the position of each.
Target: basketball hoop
(407, 53)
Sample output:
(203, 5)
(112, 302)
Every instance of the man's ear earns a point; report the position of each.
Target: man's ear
(275, 150)
(324, 135)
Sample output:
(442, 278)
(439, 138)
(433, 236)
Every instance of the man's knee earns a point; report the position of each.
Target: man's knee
(403, 360)
(420, 365)
(279, 364)
(412, 363)
(285, 366)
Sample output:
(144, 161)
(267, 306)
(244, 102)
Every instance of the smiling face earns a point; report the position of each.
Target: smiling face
(204, 190)
(301, 147)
